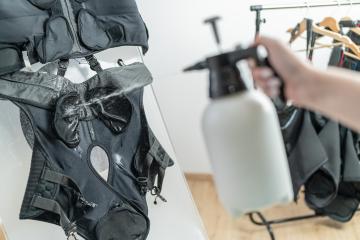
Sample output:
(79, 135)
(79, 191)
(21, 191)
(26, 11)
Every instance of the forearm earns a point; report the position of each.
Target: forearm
(334, 93)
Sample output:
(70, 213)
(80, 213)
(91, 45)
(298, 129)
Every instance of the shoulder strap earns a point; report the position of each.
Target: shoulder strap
(21, 87)
(155, 164)
(94, 63)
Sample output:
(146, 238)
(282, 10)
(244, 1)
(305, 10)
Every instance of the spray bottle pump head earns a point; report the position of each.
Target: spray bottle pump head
(225, 77)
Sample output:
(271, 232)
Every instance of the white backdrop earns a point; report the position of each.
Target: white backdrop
(178, 38)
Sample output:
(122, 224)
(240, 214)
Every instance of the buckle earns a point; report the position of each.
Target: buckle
(143, 184)
(63, 64)
(155, 191)
(73, 236)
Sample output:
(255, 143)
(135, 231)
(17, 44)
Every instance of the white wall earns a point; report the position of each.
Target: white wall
(179, 38)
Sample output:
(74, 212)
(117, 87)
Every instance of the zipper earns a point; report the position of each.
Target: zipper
(69, 15)
(91, 130)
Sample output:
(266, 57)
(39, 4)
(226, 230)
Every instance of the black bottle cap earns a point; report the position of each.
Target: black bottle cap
(225, 77)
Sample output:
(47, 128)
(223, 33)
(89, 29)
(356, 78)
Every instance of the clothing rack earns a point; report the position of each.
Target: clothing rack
(306, 4)
(258, 22)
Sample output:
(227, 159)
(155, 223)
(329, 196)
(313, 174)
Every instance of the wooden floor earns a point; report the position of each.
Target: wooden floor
(2, 232)
(221, 227)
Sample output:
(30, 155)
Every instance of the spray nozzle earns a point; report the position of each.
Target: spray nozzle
(197, 66)
(225, 77)
(258, 53)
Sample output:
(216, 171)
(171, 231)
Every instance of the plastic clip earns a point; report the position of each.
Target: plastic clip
(143, 185)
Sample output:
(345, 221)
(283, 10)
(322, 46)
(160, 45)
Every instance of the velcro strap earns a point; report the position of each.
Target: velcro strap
(158, 152)
(54, 207)
(65, 181)
(55, 177)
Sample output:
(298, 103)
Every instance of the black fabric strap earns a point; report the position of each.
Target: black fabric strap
(63, 64)
(309, 36)
(54, 207)
(55, 177)
(157, 160)
(65, 181)
(94, 64)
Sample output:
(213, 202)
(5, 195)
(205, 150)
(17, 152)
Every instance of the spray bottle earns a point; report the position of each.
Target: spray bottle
(243, 136)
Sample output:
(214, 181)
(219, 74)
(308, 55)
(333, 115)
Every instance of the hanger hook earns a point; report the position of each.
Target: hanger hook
(338, 7)
(307, 8)
(350, 8)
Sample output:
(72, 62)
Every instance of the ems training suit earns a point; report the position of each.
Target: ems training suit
(67, 121)
(61, 29)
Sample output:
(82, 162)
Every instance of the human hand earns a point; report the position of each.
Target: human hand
(290, 69)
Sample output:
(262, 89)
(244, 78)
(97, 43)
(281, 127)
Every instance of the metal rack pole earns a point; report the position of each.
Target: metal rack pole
(306, 4)
(259, 20)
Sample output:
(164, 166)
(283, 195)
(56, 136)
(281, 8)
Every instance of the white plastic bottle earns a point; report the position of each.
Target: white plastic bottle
(244, 142)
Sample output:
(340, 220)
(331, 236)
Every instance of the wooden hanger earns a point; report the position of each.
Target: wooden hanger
(297, 31)
(355, 29)
(346, 41)
(338, 37)
(330, 23)
(322, 46)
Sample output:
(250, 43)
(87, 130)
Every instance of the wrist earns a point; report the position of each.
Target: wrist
(302, 89)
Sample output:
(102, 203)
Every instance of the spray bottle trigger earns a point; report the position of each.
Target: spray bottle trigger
(262, 60)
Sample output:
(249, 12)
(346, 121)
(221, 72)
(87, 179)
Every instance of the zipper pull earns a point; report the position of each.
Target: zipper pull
(155, 191)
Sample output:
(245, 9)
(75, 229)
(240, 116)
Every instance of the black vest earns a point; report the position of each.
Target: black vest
(67, 121)
(60, 29)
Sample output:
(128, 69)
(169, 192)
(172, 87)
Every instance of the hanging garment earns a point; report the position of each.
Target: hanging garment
(324, 156)
(64, 123)
(57, 29)
(346, 202)
(308, 154)
(323, 160)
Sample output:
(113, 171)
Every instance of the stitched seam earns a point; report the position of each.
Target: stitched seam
(30, 84)
(24, 16)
